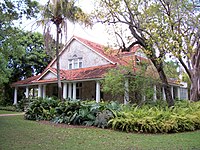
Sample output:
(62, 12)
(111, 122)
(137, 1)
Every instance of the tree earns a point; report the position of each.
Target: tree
(183, 38)
(33, 59)
(12, 12)
(170, 69)
(58, 12)
(140, 18)
(140, 83)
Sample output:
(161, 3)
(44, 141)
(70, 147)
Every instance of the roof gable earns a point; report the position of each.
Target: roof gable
(48, 74)
(94, 47)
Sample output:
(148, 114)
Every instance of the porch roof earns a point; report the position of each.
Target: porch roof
(87, 73)
(25, 81)
(69, 75)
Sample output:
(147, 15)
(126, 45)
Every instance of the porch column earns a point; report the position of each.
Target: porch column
(74, 90)
(163, 92)
(172, 92)
(33, 91)
(40, 90)
(65, 90)
(44, 91)
(179, 92)
(98, 91)
(15, 96)
(144, 98)
(154, 94)
(126, 92)
(27, 92)
(70, 90)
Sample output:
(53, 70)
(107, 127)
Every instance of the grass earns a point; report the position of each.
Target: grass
(8, 108)
(17, 133)
(8, 112)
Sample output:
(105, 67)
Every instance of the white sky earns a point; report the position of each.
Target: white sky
(97, 33)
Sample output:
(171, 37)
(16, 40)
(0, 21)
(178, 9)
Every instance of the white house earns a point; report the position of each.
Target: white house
(82, 65)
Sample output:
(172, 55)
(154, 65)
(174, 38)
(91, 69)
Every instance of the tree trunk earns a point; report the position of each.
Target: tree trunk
(195, 86)
(158, 65)
(58, 63)
(166, 86)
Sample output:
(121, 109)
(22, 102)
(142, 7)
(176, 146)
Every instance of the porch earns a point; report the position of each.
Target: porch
(83, 90)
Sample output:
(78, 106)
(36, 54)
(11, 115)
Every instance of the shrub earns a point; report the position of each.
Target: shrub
(41, 109)
(149, 118)
(184, 116)
(102, 118)
(76, 112)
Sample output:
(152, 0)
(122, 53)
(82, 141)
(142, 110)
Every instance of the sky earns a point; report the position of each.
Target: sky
(96, 34)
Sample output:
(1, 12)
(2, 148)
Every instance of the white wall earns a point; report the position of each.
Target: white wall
(89, 57)
(49, 75)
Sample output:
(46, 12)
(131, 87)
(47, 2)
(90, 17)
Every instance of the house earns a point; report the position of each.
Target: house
(83, 65)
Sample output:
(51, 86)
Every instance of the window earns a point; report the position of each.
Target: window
(70, 64)
(78, 90)
(183, 93)
(75, 63)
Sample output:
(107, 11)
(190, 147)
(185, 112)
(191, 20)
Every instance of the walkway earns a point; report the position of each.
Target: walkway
(4, 115)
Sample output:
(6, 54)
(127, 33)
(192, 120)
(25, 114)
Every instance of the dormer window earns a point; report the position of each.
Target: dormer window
(75, 63)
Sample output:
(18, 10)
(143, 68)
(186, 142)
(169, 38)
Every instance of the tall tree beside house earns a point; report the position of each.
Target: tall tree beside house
(139, 17)
(162, 27)
(33, 60)
(58, 12)
(182, 20)
(10, 13)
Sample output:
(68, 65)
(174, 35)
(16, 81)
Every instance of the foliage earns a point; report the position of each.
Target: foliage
(184, 116)
(114, 82)
(11, 13)
(31, 60)
(73, 112)
(13, 45)
(170, 69)
(141, 24)
(139, 84)
(160, 27)
(148, 118)
(41, 109)
(102, 118)
(76, 112)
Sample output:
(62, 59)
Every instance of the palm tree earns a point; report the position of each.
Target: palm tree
(58, 12)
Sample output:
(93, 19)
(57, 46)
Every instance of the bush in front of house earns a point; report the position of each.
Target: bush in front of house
(184, 116)
(74, 112)
(148, 118)
(87, 113)
(41, 109)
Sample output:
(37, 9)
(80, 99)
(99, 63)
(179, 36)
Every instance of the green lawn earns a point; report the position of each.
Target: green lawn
(8, 112)
(17, 134)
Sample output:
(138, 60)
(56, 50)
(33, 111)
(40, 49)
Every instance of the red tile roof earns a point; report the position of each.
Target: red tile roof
(84, 73)
(70, 75)
(99, 49)
(87, 73)
(26, 81)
